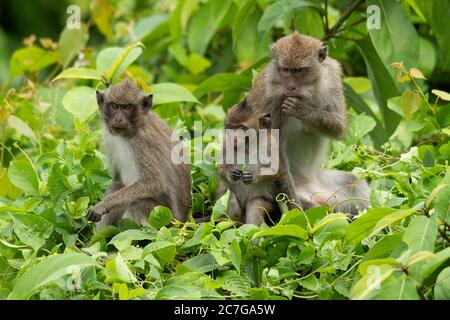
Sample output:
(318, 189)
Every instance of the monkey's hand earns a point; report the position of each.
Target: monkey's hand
(235, 174)
(292, 106)
(247, 177)
(96, 212)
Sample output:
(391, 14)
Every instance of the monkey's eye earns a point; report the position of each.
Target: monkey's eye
(127, 107)
(114, 106)
(285, 69)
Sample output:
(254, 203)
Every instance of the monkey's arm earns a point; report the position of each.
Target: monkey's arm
(121, 198)
(330, 120)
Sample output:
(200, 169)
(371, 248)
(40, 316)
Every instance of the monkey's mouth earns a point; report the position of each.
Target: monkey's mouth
(119, 131)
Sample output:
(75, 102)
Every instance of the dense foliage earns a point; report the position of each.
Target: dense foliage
(199, 57)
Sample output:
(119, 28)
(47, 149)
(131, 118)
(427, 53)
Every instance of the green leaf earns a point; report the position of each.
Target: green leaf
(201, 30)
(410, 102)
(383, 85)
(221, 205)
(271, 16)
(437, 13)
(235, 254)
(31, 59)
(383, 248)
(22, 174)
(117, 270)
(31, 229)
(289, 230)
(48, 271)
(124, 239)
(433, 267)
(402, 288)
(397, 39)
(364, 225)
(112, 62)
(442, 286)
(245, 8)
(179, 292)
(171, 92)
(21, 127)
(421, 233)
(81, 102)
(160, 217)
(71, 42)
(392, 218)
(369, 285)
(378, 134)
(102, 14)
(204, 262)
(79, 73)
(222, 82)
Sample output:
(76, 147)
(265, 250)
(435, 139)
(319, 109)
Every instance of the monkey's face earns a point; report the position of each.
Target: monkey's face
(123, 108)
(120, 118)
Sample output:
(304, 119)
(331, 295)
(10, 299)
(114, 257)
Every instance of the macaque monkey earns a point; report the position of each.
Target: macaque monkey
(138, 144)
(302, 89)
(253, 191)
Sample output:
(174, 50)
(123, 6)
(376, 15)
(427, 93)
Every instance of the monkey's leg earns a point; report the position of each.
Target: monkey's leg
(139, 211)
(256, 210)
(234, 209)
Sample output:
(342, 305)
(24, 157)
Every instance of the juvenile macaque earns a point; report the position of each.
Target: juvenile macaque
(253, 189)
(138, 144)
(301, 87)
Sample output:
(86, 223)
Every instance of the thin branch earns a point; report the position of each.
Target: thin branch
(345, 15)
(327, 27)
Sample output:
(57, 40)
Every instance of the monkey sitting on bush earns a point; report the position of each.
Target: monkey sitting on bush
(138, 144)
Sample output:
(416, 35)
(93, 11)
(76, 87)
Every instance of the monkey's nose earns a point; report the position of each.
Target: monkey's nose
(291, 87)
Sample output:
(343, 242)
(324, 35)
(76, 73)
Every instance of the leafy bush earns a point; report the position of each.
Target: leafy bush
(199, 58)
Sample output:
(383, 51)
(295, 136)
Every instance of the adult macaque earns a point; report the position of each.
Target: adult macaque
(138, 145)
(301, 87)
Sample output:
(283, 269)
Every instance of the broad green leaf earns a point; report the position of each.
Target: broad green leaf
(358, 84)
(171, 92)
(124, 239)
(31, 59)
(397, 39)
(248, 46)
(245, 8)
(117, 270)
(201, 30)
(21, 127)
(79, 73)
(437, 13)
(370, 284)
(273, 14)
(383, 248)
(31, 229)
(202, 263)
(360, 126)
(222, 82)
(443, 95)
(179, 292)
(48, 271)
(290, 230)
(364, 225)
(235, 254)
(433, 267)
(81, 102)
(22, 174)
(378, 134)
(147, 25)
(327, 220)
(410, 102)
(160, 217)
(442, 286)
(164, 250)
(421, 233)
(442, 200)
(402, 288)
(392, 218)
(71, 42)
(112, 62)
(383, 84)
(221, 205)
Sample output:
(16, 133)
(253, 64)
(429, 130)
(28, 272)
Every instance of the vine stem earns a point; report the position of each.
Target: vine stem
(345, 15)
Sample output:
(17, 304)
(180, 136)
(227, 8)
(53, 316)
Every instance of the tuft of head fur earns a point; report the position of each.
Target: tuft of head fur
(296, 50)
(124, 92)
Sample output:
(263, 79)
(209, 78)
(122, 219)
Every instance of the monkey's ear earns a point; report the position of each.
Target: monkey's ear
(100, 98)
(147, 102)
(265, 121)
(323, 53)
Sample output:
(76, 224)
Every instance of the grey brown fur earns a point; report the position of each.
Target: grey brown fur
(138, 144)
(302, 88)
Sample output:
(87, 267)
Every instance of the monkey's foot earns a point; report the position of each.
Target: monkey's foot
(247, 177)
(235, 174)
(95, 213)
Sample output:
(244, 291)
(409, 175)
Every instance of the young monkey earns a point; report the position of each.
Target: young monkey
(138, 144)
(253, 191)
(302, 88)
